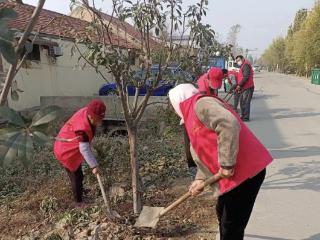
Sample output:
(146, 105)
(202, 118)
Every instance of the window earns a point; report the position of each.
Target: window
(35, 54)
(132, 58)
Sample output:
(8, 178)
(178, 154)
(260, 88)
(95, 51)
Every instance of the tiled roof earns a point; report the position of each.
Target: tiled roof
(126, 27)
(55, 24)
(132, 31)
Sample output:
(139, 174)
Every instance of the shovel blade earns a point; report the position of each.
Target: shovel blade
(149, 217)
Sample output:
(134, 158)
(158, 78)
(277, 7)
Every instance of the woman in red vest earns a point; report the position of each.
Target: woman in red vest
(208, 83)
(72, 144)
(222, 143)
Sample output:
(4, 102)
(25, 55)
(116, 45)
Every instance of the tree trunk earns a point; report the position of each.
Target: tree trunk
(136, 191)
(12, 70)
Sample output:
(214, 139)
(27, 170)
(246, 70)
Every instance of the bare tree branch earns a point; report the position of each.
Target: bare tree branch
(90, 63)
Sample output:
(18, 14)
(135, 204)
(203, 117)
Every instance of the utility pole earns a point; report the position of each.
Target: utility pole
(250, 50)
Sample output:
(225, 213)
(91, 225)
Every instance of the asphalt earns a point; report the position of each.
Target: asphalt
(286, 118)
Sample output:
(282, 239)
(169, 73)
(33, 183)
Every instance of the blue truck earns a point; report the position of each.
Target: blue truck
(219, 62)
(171, 76)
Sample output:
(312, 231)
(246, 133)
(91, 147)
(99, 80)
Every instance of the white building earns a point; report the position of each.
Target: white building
(51, 69)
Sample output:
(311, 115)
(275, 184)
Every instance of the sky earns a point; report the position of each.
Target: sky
(261, 20)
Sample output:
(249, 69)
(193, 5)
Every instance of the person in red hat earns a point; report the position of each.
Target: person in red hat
(210, 82)
(72, 144)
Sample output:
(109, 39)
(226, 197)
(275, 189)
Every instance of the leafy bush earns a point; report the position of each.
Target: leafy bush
(19, 137)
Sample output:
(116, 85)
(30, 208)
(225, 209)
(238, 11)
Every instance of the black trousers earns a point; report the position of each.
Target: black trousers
(76, 179)
(234, 208)
(244, 98)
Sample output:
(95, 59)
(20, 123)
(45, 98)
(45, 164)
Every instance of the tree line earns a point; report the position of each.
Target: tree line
(299, 51)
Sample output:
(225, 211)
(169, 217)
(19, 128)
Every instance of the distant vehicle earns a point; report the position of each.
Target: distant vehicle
(256, 68)
(171, 76)
(219, 62)
(233, 66)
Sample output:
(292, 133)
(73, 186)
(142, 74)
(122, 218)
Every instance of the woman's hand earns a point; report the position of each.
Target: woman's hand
(226, 173)
(95, 170)
(196, 187)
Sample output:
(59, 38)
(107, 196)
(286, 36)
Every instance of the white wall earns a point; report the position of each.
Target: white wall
(63, 78)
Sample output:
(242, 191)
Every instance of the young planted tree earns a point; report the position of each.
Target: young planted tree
(109, 47)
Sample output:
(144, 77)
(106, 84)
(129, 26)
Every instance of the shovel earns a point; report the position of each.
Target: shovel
(112, 215)
(150, 216)
(228, 96)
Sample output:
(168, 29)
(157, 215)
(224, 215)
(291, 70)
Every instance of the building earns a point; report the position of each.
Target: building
(52, 68)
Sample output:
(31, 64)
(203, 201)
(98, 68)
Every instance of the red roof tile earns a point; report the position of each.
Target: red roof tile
(55, 24)
(126, 27)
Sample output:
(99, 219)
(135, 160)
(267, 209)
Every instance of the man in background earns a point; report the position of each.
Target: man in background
(244, 89)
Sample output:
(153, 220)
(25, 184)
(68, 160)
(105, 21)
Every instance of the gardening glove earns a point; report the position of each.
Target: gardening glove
(196, 187)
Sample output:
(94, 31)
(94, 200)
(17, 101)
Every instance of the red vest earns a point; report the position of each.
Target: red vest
(203, 84)
(68, 153)
(231, 74)
(252, 157)
(250, 82)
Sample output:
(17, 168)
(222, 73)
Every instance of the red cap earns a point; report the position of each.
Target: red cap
(96, 108)
(215, 78)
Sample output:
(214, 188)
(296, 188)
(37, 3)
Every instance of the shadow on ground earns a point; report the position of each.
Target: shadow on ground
(286, 113)
(263, 123)
(295, 175)
(265, 237)
(307, 151)
(314, 237)
(303, 176)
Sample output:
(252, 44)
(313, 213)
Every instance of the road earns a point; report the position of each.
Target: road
(286, 118)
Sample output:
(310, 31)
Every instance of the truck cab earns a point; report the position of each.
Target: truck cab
(233, 66)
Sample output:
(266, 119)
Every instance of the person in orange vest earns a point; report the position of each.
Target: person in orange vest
(72, 145)
(211, 81)
(222, 143)
(245, 88)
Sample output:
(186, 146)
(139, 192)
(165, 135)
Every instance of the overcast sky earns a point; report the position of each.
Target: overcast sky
(261, 20)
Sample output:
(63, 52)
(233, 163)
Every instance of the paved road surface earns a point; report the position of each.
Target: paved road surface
(286, 117)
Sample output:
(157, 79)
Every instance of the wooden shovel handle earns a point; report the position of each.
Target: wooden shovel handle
(215, 178)
(103, 192)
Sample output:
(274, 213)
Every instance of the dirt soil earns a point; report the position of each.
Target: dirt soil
(37, 203)
(195, 219)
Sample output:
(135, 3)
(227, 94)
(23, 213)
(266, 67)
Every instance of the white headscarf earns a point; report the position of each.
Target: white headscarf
(179, 94)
